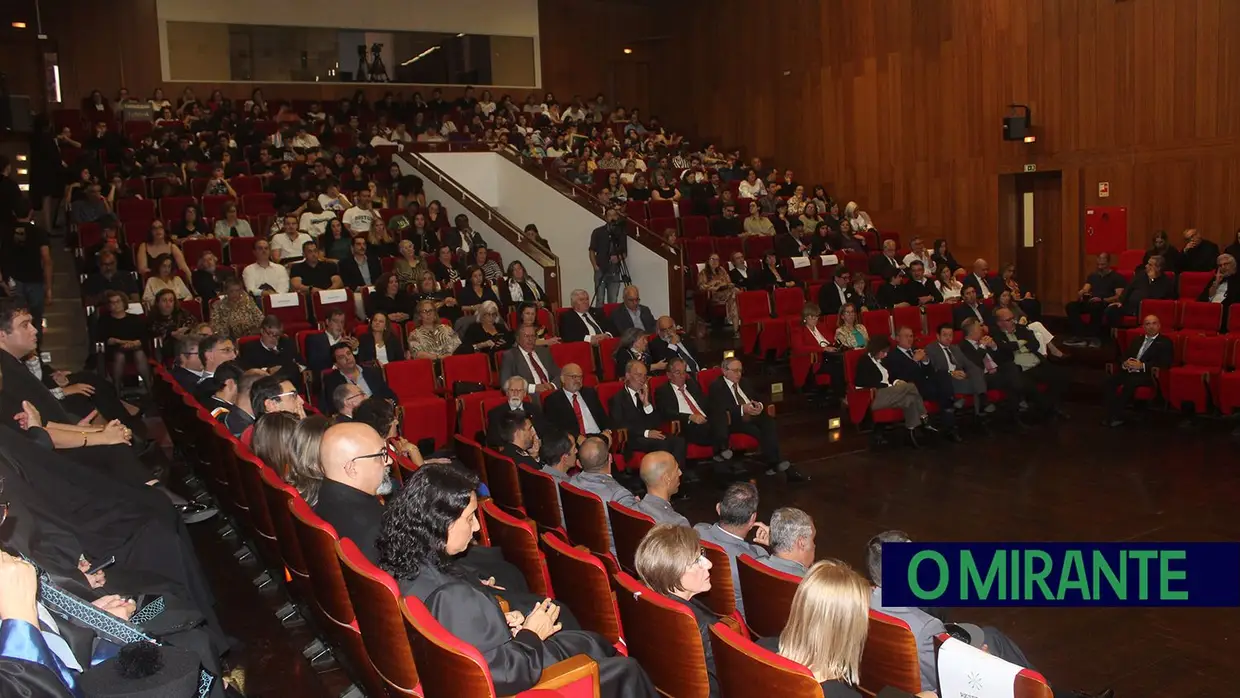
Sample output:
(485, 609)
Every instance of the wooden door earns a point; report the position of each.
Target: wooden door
(1037, 236)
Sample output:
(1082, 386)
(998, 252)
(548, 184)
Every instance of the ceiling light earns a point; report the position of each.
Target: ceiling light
(19, 25)
(628, 51)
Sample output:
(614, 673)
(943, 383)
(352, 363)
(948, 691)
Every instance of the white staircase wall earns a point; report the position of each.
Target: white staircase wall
(523, 198)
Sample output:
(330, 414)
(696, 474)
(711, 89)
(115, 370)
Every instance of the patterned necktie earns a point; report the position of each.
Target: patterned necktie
(105, 625)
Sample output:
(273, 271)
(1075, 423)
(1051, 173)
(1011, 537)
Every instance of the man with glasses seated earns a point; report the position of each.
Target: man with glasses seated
(188, 364)
(271, 394)
(356, 470)
(369, 378)
(274, 352)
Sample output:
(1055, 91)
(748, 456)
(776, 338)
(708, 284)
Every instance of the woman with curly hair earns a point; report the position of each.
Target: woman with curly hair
(431, 521)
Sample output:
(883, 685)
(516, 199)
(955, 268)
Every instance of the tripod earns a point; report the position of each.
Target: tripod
(622, 269)
(378, 71)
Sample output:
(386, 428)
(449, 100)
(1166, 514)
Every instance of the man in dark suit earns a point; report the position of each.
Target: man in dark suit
(1145, 354)
(742, 276)
(631, 313)
(886, 265)
(681, 399)
(980, 280)
(188, 365)
(360, 268)
(968, 309)
(1199, 254)
(907, 363)
(584, 323)
(791, 244)
(632, 409)
(319, 345)
(1016, 344)
(273, 352)
(518, 401)
(1151, 284)
(531, 362)
(1224, 288)
(576, 409)
(894, 293)
(730, 402)
(369, 378)
(356, 470)
(980, 350)
(921, 289)
(517, 439)
(669, 345)
(833, 296)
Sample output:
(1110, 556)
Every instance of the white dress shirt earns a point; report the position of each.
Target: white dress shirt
(684, 400)
(947, 352)
(273, 275)
(587, 419)
(637, 401)
(822, 341)
(984, 286)
(591, 325)
(735, 389)
(535, 364)
(925, 260)
(1221, 292)
(882, 371)
(289, 248)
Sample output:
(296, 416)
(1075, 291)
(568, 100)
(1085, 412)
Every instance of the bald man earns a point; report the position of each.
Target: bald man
(595, 477)
(661, 475)
(356, 470)
(1147, 354)
(575, 408)
(980, 280)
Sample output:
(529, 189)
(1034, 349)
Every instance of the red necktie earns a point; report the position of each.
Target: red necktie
(581, 420)
(692, 407)
(542, 376)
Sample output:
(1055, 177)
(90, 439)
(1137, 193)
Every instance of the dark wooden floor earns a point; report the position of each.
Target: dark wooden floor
(1070, 481)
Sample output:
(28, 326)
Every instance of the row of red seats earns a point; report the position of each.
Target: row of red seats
(389, 644)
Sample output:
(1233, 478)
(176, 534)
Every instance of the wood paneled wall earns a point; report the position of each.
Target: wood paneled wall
(898, 104)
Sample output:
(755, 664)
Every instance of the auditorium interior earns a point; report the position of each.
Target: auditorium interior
(486, 348)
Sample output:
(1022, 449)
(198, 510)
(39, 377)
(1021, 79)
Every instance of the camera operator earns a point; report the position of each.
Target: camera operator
(608, 248)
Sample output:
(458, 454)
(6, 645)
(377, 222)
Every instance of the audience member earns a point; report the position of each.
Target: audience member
(1223, 288)
(515, 387)
(792, 541)
(369, 378)
(661, 476)
(1086, 314)
(576, 409)
(1017, 344)
(263, 276)
(1143, 359)
(669, 345)
(1151, 283)
(730, 403)
(595, 477)
(888, 391)
(632, 314)
(274, 352)
(313, 273)
(236, 315)
(738, 515)
(584, 323)
(530, 362)
(319, 354)
(633, 409)
(1199, 254)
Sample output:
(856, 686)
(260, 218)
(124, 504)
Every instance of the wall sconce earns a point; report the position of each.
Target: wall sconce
(729, 353)
(21, 157)
(19, 25)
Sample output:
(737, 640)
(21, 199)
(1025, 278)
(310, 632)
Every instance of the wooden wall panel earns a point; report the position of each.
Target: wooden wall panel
(898, 104)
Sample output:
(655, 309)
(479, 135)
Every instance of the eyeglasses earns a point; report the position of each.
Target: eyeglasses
(702, 560)
(384, 456)
(281, 396)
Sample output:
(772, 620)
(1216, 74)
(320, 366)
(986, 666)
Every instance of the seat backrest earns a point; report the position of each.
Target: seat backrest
(890, 656)
(1164, 310)
(753, 305)
(908, 316)
(288, 314)
(470, 453)
(937, 314)
(707, 376)
(502, 481)
(741, 666)
(789, 301)
(339, 299)
(460, 671)
(607, 359)
(541, 497)
(249, 470)
(469, 413)
(722, 597)
(425, 418)
(241, 250)
(518, 539)
(585, 517)
(580, 582)
(1130, 259)
(628, 528)
(473, 368)
(606, 391)
(1206, 352)
(411, 377)
(877, 322)
(279, 493)
(580, 353)
(1200, 316)
(317, 540)
(376, 600)
(662, 635)
(1192, 283)
(767, 594)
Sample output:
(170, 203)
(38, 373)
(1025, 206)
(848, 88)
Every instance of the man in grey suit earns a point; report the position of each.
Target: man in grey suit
(967, 377)
(738, 515)
(595, 460)
(792, 542)
(632, 313)
(661, 475)
(531, 362)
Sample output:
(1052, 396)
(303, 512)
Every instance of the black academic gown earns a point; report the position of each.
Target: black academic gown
(61, 509)
(465, 609)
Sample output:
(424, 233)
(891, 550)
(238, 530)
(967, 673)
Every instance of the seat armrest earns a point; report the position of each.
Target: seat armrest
(569, 671)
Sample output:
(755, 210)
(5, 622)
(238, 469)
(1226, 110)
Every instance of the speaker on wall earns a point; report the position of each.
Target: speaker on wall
(1017, 123)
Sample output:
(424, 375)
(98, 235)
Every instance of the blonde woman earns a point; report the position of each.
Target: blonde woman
(860, 220)
(431, 339)
(827, 626)
(849, 332)
(715, 281)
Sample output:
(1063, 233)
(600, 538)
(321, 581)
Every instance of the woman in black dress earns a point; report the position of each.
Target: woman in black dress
(379, 343)
(390, 299)
(476, 291)
(426, 527)
(123, 336)
(487, 334)
(518, 287)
